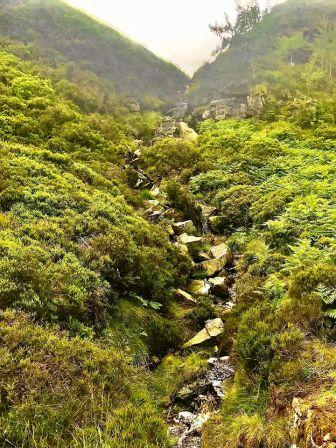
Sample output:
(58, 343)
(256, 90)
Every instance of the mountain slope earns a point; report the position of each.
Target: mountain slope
(236, 70)
(61, 33)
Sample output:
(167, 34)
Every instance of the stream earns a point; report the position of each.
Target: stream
(202, 399)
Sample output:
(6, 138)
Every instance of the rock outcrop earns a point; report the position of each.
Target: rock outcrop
(234, 106)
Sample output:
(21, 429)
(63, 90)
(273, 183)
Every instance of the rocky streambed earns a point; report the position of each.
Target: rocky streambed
(200, 400)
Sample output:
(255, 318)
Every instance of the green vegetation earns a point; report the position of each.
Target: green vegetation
(89, 325)
(87, 52)
(87, 279)
(287, 35)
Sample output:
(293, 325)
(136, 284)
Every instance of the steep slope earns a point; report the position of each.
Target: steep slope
(236, 70)
(61, 33)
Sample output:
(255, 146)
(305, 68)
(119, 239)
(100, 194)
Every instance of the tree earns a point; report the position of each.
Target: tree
(248, 15)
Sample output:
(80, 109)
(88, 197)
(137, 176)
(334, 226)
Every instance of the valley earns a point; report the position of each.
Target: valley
(167, 245)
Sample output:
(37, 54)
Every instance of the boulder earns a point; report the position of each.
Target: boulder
(222, 252)
(186, 132)
(189, 239)
(213, 328)
(212, 267)
(180, 227)
(199, 287)
(200, 337)
(186, 297)
(234, 106)
(219, 286)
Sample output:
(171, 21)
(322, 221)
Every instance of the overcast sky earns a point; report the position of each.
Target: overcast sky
(176, 30)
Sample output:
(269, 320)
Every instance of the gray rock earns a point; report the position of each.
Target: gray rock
(181, 227)
(212, 267)
(189, 239)
(222, 252)
(199, 287)
(186, 132)
(213, 328)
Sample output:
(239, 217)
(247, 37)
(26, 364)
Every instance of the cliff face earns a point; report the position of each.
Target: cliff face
(61, 32)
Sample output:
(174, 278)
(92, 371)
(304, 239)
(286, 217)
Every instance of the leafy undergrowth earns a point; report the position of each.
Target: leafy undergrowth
(273, 186)
(85, 281)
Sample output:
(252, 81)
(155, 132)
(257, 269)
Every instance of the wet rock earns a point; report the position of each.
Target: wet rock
(179, 112)
(187, 429)
(189, 239)
(181, 227)
(202, 397)
(219, 287)
(186, 132)
(222, 252)
(213, 328)
(142, 179)
(220, 371)
(199, 287)
(186, 297)
(212, 267)
(155, 216)
(168, 128)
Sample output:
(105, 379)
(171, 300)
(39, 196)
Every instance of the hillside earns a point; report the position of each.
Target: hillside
(59, 33)
(239, 68)
(163, 292)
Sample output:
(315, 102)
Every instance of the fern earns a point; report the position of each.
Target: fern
(327, 295)
(331, 313)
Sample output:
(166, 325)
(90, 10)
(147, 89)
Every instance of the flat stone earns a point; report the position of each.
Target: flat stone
(212, 329)
(212, 267)
(190, 239)
(223, 252)
(153, 202)
(199, 287)
(180, 227)
(200, 337)
(185, 296)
